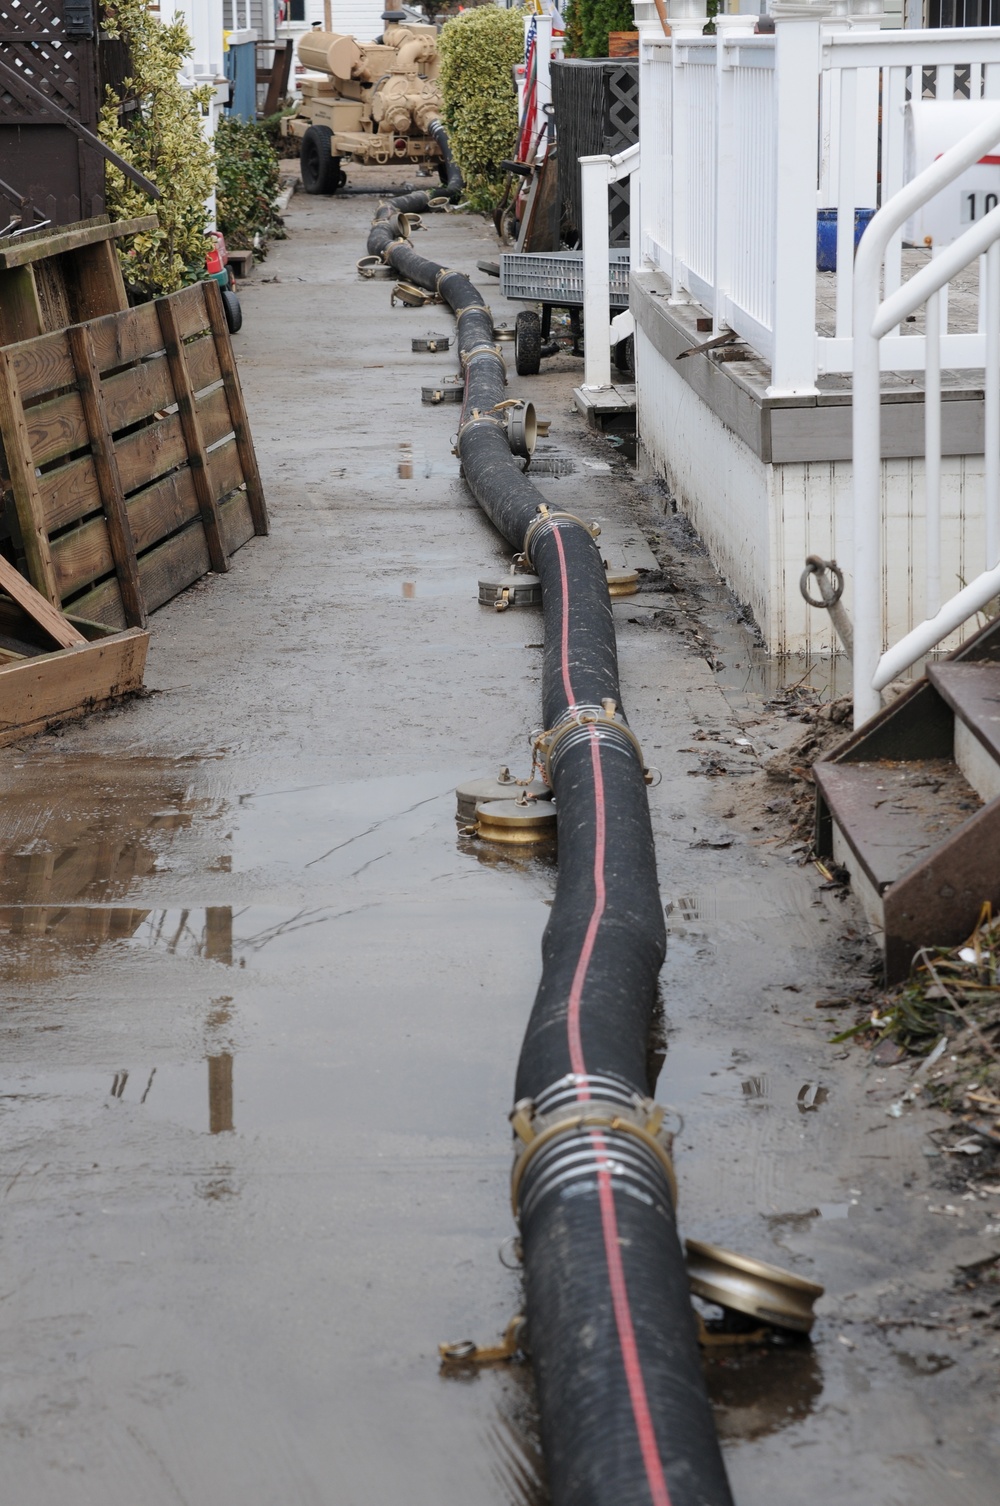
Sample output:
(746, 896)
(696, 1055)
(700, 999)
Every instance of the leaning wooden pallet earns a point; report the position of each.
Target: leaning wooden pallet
(89, 668)
(128, 456)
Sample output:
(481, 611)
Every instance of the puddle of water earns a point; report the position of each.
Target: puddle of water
(811, 1096)
(757, 1392)
(429, 586)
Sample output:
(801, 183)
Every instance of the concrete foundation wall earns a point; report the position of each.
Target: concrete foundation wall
(760, 519)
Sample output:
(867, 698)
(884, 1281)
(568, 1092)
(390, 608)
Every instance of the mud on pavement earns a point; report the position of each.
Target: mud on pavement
(263, 1003)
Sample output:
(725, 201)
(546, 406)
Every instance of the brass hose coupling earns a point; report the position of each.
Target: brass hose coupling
(546, 520)
(642, 1119)
(582, 724)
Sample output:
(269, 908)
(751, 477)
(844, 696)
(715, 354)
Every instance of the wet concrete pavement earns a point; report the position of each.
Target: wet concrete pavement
(262, 1004)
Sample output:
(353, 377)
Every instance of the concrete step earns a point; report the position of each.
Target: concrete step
(972, 690)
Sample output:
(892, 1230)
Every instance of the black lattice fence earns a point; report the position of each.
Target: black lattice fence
(48, 80)
(596, 102)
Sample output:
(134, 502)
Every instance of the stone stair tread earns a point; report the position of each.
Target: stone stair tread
(892, 813)
(972, 690)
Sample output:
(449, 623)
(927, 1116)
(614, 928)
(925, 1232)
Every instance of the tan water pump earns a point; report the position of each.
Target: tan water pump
(378, 102)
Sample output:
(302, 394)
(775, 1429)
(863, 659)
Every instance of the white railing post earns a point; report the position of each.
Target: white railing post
(596, 271)
(728, 29)
(687, 21)
(991, 405)
(797, 65)
(543, 61)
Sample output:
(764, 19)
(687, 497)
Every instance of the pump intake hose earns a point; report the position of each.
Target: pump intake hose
(624, 1412)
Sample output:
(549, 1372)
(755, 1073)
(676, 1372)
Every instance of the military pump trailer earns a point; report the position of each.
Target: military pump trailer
(379, 102)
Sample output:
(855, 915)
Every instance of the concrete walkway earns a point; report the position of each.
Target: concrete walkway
(263, 1004)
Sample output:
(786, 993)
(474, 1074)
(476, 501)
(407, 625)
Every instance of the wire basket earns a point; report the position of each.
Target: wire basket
(556, 277)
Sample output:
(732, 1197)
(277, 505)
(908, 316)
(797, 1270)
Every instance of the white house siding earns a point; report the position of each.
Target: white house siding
(760, 521)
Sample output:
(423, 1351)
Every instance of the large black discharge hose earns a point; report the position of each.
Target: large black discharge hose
(625, 1416)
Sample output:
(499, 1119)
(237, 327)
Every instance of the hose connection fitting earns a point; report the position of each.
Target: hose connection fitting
(546, 520)
(583, 724)
(583, 1125)
(470, 355)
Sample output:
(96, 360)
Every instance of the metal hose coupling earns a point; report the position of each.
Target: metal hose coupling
(582, 724)
(584, 1125)
(547, 520)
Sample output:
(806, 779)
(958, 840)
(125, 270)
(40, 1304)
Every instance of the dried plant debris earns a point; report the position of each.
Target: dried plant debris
(946, 1016)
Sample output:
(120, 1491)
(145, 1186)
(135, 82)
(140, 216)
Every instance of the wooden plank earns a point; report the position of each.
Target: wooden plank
(224, 463)
(95, 281)
(103, 604)
(84, 233)
(20, 314)
(175, 564)
(63, 686)
(237, 522)
(189, 308)
(109, 480)
(21, 470)
(45, 364)
(167, 310)
(69, 493)
(237, 408)
(59, 426)
(82, 555)
(162, 508)
(53, 294)
(41, 611)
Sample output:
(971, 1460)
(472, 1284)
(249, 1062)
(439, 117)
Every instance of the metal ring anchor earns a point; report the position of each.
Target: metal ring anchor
(817, 566)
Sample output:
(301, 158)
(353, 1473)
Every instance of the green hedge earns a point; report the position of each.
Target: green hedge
(589, 21)
(478, 51)
(247, 167)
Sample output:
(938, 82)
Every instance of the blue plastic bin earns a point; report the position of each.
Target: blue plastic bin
(826, 236)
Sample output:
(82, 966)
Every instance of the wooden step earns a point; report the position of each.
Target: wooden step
(972, 690)
(892, 813)
(920, 846)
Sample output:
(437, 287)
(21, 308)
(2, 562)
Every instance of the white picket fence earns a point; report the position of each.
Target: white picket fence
(732, 175)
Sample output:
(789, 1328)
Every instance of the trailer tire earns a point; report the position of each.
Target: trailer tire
(232, 310)
(527, 343)
(320, 171)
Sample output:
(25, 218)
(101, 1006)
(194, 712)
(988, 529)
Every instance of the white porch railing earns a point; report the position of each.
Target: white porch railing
(733, 177)
(596, 176)
(875, 317)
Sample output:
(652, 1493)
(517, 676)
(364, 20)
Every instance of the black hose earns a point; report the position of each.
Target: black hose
(453, 183)
(625, 1415)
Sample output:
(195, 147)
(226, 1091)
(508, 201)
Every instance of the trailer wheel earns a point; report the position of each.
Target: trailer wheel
(527, 343)
(233, 311)
(320, 171)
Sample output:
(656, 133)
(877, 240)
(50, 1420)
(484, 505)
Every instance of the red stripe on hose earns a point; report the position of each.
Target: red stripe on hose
(564, 645)
(626, 1335)
(576, 1056)
(609, 1219)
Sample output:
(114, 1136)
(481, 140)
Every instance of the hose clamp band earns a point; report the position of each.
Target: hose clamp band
(584, 723)
(483, 350)
(399, 241)
(546, 520)
(476, 417)
(643, 1120)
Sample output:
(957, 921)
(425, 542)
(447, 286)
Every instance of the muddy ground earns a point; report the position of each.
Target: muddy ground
(262, 1004)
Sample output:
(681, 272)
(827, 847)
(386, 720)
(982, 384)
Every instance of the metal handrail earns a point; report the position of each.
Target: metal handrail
(872, 320)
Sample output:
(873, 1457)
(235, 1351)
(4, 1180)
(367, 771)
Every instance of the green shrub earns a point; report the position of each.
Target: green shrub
(163, 138)
(247, 167)
(478, 51)
(589, 21)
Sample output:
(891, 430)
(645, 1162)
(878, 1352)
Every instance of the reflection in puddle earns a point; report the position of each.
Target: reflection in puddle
(755, 1087)
(87, 828)
(756, 1392)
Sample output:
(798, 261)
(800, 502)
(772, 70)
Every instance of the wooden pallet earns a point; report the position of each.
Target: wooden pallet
(129, 456)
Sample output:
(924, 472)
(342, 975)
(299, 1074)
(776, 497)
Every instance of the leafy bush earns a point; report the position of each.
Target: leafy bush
(478, 51)
(162, 137)
(589, 21)
(247, 166)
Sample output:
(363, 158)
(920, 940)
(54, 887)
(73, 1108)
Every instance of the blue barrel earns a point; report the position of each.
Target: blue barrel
(826, 236)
